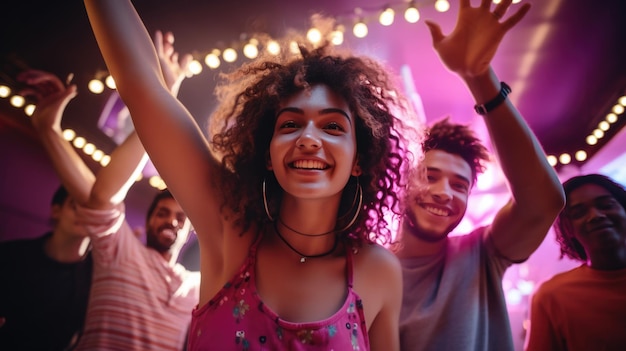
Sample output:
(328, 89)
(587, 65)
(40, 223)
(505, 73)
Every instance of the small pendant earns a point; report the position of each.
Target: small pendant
(302, 259)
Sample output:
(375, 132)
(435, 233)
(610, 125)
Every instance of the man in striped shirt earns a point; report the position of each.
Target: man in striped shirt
(140, 299)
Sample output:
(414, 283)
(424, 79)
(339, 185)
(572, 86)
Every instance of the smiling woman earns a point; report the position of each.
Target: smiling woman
(288, 196)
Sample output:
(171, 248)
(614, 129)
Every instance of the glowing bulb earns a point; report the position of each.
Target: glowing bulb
(618, 109)
(95, 86)
(386, 17)
(157, 182)
(17, 101)
(154, 181)
(195, 67)
(97, 155)
(591, 140)
(336, 37)
(581, 155)
(552, 160)
(212, 60)
(69, 134)
(442, 5)
(105, 160)
(611, 118)
(565, 158)
(621, 100)
(139, 177)
(314, 35)
(4, 91)
(360, 30)
(273, 47)
(89, 149)
(604, 126)
(29, 109)
(110, 82)
(229, 55)
(250, 51)
(79, 142)
(598, 133)
(412, 14)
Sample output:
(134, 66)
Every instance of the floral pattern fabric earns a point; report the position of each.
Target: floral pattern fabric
(237, 319)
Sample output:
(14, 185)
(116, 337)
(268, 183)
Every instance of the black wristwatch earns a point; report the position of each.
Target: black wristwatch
(483, 109)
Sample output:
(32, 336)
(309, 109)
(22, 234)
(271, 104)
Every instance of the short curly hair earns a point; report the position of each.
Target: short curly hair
(242, 127)
(570, 246)
(457, 139)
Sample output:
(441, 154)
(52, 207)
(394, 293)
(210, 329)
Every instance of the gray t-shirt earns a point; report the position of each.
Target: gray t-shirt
(454, 300)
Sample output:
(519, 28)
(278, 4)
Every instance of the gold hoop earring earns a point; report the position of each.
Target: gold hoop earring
(267, 210)
(358, 193)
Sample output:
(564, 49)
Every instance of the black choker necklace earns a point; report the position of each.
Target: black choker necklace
(303, 257)
(304, 234)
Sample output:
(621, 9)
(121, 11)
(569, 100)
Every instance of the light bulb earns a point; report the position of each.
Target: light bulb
(412, 15)
(360, 30)
(229, 55)
(386, 17)
(212, 60)
(442, 5)
(95, 86)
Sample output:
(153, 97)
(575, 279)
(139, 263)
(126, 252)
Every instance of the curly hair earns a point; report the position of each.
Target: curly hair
(570, 246)
(242, 128)
(460, 140)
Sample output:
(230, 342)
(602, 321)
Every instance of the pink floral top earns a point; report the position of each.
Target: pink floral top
(237, 319)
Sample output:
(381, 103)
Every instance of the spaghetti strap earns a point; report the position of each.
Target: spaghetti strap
(349, 269)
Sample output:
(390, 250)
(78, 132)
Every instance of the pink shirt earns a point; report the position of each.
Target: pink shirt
(138, 300)
(237, 319)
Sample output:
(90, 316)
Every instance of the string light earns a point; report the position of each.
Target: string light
(212, 59)
(105, 160)
(195, 67)
(360, 29)
(79, 142)
(89, 149)
(17, 101)
(314, 35)
(69, 134)
(251, 50)
(97, 155)
(229, 55)
(387, 16)
(29, 109)
(611, 118)
(412, 14)
(442, 5)
(5, 91)
(273, 47)
(110, 82)
(591, 140)
(95, 86)
(552, 160)
(336, 37)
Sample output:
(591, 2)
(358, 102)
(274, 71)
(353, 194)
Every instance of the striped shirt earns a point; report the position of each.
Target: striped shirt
(138, 300)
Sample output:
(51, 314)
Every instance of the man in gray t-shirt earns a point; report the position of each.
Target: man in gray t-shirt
(453, 297)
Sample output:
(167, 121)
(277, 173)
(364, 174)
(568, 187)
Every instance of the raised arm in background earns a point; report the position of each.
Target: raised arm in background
(536, 194)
